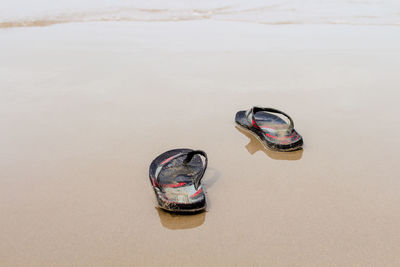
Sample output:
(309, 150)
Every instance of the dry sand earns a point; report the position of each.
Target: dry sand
(85, 107)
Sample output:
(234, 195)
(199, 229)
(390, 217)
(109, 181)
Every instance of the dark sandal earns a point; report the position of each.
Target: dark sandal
(270, 129)
(176, 179)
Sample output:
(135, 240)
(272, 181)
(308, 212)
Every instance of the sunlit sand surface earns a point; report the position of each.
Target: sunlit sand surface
(86, 107)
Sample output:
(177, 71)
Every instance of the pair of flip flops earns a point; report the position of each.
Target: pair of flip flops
(176, 174)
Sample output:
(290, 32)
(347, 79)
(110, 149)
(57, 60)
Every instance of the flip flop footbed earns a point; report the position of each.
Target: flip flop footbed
(273, 132)
(173, 181)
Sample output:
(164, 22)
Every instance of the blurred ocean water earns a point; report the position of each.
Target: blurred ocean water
(352, 12)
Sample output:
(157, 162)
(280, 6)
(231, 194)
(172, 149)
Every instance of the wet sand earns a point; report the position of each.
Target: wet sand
(85, 107)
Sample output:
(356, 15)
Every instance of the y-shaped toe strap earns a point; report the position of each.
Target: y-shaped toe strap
(189, 157)
(251, 113)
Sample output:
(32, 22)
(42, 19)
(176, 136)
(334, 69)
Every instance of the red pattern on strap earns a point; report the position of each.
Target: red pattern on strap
(173, 185)
(154, 182)
(168, 159)
(255, 125)
(198, 192)
(280, 138)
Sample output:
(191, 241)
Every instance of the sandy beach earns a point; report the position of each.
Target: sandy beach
(86, 106)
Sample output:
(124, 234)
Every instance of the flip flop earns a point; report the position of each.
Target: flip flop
(271, 130)
(176, 179)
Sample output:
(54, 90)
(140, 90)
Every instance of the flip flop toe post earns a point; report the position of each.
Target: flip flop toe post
(270, 129)
(176, 179)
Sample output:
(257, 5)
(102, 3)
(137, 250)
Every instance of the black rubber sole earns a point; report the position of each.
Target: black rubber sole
(182, 208)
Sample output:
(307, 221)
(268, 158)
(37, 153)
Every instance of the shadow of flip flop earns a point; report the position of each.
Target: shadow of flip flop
(177, 221)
